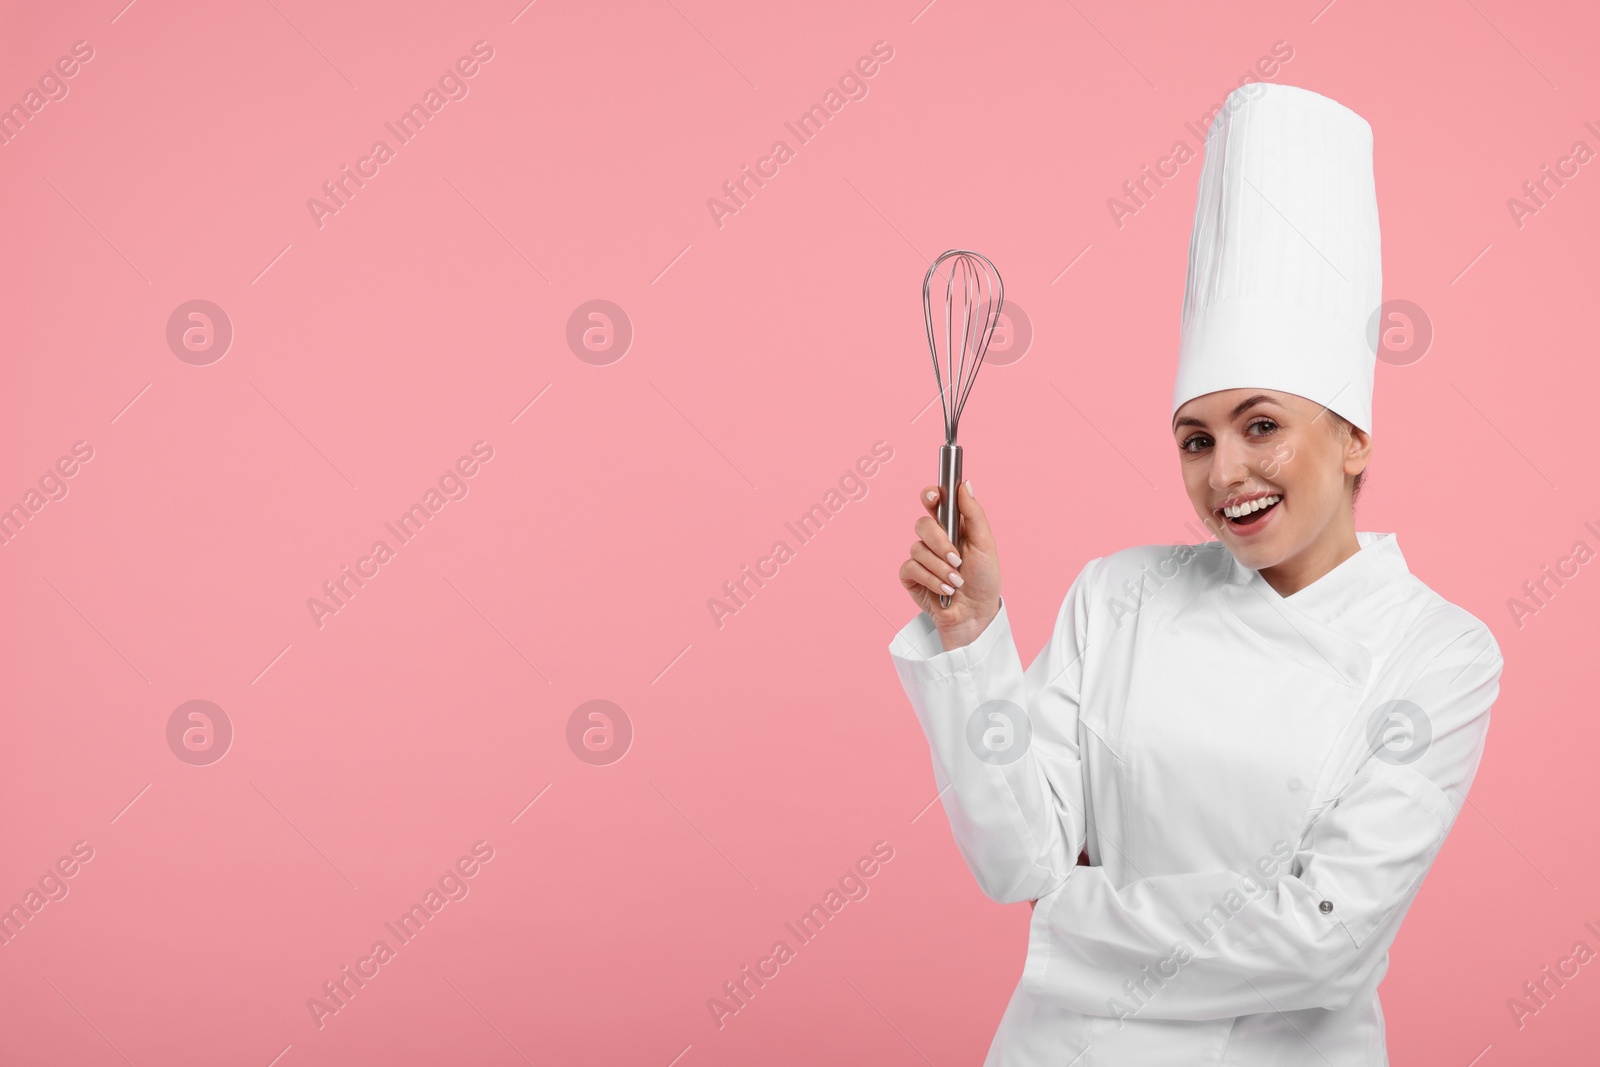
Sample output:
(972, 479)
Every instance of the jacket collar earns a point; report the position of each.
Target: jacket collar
(1376, 564)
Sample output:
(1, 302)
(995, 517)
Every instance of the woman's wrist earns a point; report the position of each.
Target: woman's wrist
(963, 634)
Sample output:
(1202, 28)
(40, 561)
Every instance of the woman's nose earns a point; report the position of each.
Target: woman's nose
(1228, 466)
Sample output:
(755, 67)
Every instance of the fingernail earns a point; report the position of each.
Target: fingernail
(955, 560)
(945, 589)
(957, 579)
(933, 494)
(970, 491)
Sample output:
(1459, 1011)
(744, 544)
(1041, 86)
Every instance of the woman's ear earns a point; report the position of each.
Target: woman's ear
(1357, 449)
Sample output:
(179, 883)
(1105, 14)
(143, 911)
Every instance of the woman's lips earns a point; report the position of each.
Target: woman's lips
(1262, 518)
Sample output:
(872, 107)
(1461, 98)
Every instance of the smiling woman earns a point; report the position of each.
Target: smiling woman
(1140, 752)
(1274, 475)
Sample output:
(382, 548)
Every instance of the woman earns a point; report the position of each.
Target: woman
(1212, 725)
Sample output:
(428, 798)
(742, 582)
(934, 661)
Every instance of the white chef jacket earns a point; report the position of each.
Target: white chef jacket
(1260, 782)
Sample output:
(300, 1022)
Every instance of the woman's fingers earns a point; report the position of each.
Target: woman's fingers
(974, 520)
(913, 573)
(935, 568)
(938, 542)
(941, 569)
(975, 530)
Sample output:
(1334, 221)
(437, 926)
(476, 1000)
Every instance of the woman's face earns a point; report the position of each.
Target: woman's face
(1258, 446)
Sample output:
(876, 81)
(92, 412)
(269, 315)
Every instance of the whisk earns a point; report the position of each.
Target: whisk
(967, 330)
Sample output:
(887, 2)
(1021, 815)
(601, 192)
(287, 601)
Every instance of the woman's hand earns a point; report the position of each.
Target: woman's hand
(973, 583)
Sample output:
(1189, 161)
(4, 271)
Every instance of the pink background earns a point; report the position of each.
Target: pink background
(768, 355)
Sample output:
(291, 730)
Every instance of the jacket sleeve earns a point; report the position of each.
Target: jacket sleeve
(1212, 945)
(1005, 744)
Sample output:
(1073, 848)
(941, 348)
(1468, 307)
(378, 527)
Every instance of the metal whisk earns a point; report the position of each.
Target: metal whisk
(967, 329)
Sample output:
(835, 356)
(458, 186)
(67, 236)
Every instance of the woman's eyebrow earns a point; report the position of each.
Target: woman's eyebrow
(1238, 409)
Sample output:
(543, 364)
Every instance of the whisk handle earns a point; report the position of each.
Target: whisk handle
(949, 514)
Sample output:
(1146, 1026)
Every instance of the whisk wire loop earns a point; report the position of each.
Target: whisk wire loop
(967, 337)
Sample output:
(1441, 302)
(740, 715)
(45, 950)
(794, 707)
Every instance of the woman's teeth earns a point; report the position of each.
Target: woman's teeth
(1250, 507)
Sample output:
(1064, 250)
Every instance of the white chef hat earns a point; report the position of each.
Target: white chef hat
(1285, 278)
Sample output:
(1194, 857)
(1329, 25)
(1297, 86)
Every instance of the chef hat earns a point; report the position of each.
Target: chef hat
(1285, 278)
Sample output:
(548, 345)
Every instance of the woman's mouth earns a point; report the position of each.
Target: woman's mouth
(1251, 512)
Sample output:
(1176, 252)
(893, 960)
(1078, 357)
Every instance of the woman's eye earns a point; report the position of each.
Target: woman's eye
(1192, 444)
(1268, 423)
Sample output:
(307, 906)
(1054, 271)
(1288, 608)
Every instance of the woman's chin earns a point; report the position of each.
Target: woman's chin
(1256, 551)
(1254, 556)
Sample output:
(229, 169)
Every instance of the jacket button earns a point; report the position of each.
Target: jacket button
(1326, 906)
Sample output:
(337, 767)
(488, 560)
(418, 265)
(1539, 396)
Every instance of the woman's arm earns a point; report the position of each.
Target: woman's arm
(1204, 946)
(1011, 782)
